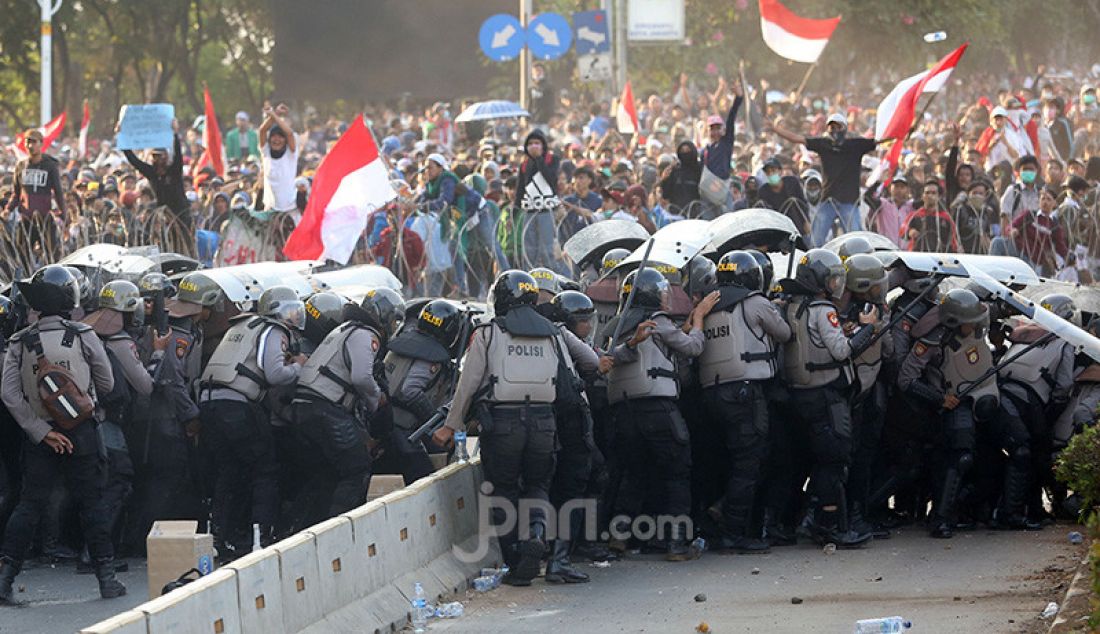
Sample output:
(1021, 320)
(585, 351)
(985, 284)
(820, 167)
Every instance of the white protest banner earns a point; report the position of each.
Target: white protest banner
(143, 126)
(655, 20)
(244, 242)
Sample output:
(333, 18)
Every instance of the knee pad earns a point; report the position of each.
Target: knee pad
(985, 408)
(964, 462)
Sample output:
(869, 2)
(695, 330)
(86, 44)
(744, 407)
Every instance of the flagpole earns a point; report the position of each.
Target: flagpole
(748, 99)
(805, 78)
(920, 115)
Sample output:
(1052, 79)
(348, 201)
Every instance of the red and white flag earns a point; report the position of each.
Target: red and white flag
(50, 132)
(793, 36)
(85, 122)
(213, 153)
(350, 184)
(898, 109)
(626, 116)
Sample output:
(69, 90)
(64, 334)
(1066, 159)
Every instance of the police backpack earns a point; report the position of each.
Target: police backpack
(66, 403)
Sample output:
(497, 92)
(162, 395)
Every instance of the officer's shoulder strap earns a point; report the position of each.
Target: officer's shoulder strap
(75, 326)
(935, 337)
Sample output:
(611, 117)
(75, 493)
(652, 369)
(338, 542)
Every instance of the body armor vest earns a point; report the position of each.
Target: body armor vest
(235, 364)
(734, 351)
(652, 375)
(520, 369)
(806, 361)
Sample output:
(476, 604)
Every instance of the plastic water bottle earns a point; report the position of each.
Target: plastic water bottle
(419, 609)
(885, 625)
(460, 447)
(256, 538)
(451, 610)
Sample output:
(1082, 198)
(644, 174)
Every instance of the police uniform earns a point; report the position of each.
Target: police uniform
(337, 379)
(945, 362)
(251, 356)
(418, 371)
(72, 345)
(739, 356)
(651, 436)
(817, 367)
(508, 384)
(11, 458)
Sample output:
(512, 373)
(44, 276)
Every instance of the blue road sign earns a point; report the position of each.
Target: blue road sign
(501, 37)
(590, 29)
(549, 36)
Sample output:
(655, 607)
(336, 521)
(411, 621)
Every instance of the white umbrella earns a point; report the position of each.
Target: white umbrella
(486, 110)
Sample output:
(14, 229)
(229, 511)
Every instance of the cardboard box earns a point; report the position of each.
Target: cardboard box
(174, 548)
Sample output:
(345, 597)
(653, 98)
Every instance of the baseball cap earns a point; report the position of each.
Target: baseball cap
(837, 118)
(998, 112)
(242, 115)
(714, 120)
(438, 159)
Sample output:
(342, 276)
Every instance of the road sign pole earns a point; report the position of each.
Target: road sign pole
(48, 8)
(524, 54)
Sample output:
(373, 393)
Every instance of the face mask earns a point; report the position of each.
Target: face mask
(1090, 99)
(977, 202)
(837, 137)
(813, 195)
(1027, 176)
(775, 179)
(817, 105)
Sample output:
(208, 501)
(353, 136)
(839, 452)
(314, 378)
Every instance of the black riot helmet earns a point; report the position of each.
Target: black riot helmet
(385, 308)
(324, 311)
(767, 269)
(960, 306)
(88, 295)
(653, 289)
(571, 307)
(701, 276)
(513, 288)
(52, 290)
(441, 320)
(611, 259)
(821, 271)
(739, 268)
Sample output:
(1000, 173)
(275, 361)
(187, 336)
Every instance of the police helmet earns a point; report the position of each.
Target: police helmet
(153, 283)
(701, 276)
(960, 306)
(441, 320)
(122, 296)
(653, 288)
(196, 288)
(282, 303)
(865, 274)
(1063, 306)
(767, 269)
(571, 307)
(853, 246)
(568, 284)
(739, 268)
(52, 290)
(611, 259)
(513, 288)
(386, 309)
(324, 311)
(87, 293)
(546, 280)
(821, 271)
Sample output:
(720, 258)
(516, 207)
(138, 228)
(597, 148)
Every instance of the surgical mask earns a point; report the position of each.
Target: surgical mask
(976, 201)
(775, 179)
(817, 105)
(1027, 177)
(1089, 99)
(813, 195)
(837, 137)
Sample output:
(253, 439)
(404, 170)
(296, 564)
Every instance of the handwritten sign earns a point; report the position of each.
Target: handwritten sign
(143, 126)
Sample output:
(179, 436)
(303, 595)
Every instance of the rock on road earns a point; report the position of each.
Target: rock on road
(978, 582)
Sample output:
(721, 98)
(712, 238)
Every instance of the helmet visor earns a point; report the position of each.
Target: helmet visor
(292, 313)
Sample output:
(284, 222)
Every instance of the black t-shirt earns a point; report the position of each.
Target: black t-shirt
(840, 165)
(790, 188)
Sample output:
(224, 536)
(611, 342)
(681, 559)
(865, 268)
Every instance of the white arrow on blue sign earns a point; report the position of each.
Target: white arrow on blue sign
(501, 37)
(590, 29)
(549, 36)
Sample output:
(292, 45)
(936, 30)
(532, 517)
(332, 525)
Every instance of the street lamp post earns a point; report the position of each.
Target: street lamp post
(49, 8)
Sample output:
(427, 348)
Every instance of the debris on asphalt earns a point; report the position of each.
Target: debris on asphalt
(600, 564)
(699, 598)
(829, 549)
(796, 600)
(702, 627)
(1076, 538)
(1049, 611)
(755, 571)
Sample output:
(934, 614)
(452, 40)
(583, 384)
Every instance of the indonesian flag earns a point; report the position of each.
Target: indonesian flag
(350, 184)
(85, 122)
(793, 36)
(626, 116)
(896, 112)
(50, 132)
(213, 153)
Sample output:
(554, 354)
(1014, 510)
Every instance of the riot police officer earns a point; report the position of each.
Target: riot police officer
(549, 284)
(508, 385)
(604, 292)
(253, 355)
(337, 384)
(942, 364)
(817, 367)
(650, 433)
(420, 370)
(61, 439)
(120, 305)
(575, 315)
(11, 435)
(740, 354)
(865, 281)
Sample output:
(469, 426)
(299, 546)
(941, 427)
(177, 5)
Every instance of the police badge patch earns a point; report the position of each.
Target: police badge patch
(181, 347)
(972, 355)
(920, 349)
(833, 319)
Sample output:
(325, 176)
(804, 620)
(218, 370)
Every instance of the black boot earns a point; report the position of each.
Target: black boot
(529, 560)
(109, 587)
(8, 571)
(775, 533)
(678, 548)
(859, 523)
(559, 569)
(943, 515)
(1011, 515)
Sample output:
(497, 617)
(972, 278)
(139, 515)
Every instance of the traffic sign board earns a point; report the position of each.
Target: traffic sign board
(592, 32)
(501, 37)
(595, 67)
(549, 36)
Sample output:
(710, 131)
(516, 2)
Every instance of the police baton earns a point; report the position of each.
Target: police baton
(630, 296)
(431, 425)
(899, 315)
(976, 383)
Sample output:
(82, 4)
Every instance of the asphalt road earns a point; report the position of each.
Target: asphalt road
(980, 582)
(976, 583)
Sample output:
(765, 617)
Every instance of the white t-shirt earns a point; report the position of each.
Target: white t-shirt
(279, 175)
